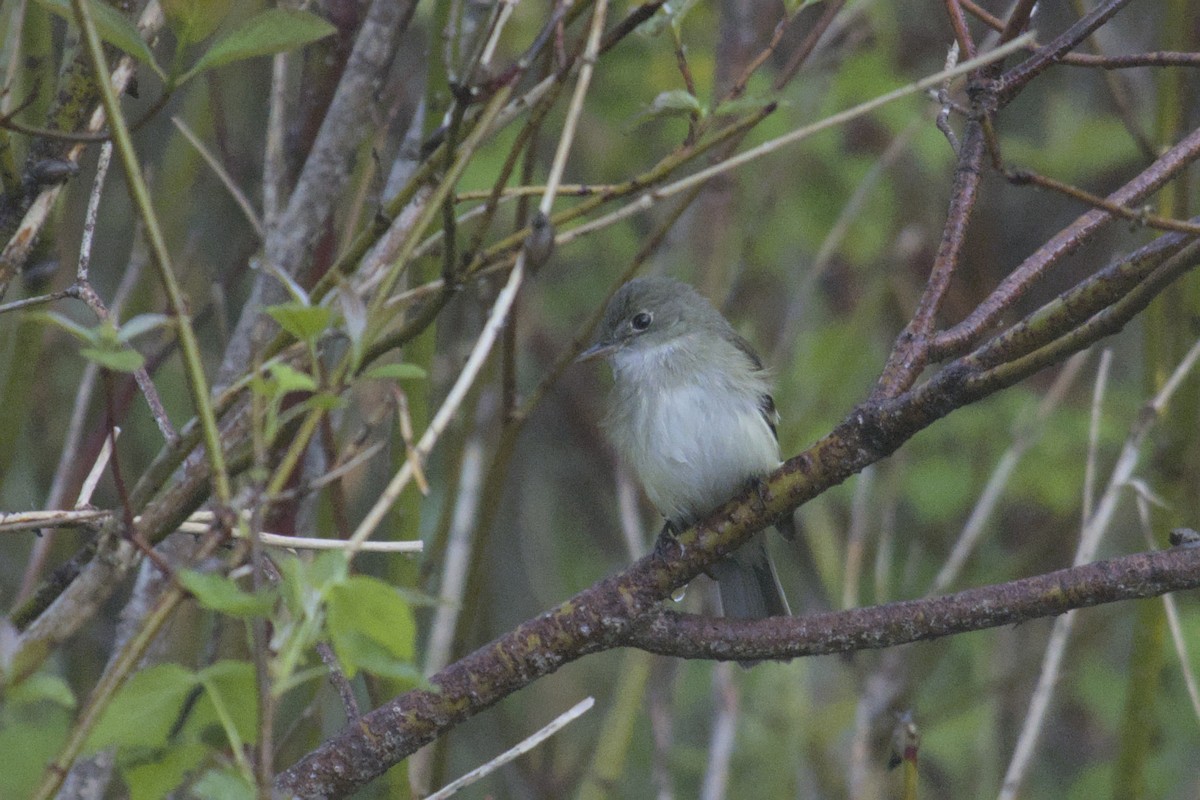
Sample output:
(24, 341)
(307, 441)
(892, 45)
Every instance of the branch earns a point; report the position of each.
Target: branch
(956, 339)
(1053, 52)
(1132, 577)
(613, 612)
(598, 619)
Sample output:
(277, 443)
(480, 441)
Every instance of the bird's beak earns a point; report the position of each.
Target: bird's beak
(597, 350)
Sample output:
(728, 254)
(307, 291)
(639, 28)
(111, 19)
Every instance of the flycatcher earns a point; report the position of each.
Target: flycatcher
(692, 415)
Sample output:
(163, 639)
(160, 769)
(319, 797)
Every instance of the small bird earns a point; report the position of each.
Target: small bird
(692, 415)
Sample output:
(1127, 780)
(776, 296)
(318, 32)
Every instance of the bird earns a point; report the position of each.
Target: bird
(691, 414)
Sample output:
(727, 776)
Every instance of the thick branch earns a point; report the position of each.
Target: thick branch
(1016, 79)
(957, 339)
(1130, 577)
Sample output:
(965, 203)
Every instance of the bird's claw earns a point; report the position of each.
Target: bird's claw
(667, 545)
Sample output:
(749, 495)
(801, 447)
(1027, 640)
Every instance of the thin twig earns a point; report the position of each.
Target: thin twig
(499, 313)
(1140, 216)
(11, 521)
(1026, 436)
(1089, 541)
(223, 175)
(1090, 463)
(524, 746)
(647, 200)
(93, 208)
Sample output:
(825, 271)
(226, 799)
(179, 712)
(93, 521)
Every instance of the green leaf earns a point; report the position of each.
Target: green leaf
(369, 624)
(272, 31)
(357, 651)
(325, 401)
(676, 100)
(302, 576)
(194, 20)
(674, 103)
(31, 736)
(304, 322)
(69, 325)
(290, 379)
(223, 784)
(218, 593)
(156, 778)
(121, 359)
(236, 688)
(670, 14)
(328, 569)
(145, 709)
(397, 372)
(112, 26)
(141, 324)
(41, 686)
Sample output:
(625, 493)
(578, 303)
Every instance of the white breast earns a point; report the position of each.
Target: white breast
(695, 439)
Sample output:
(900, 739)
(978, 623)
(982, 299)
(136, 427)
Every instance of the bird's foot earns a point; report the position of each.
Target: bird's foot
(762, 492)
(667, 545)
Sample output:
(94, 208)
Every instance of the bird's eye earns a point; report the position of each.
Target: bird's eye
(641, 320)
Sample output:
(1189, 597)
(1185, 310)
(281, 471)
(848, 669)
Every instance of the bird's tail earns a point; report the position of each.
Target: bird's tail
(749, 585)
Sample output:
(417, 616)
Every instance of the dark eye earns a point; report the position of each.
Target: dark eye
(641, 320)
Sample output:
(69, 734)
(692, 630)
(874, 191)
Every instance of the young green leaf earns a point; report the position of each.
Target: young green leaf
(359, 652)
(41, 686)
(272, 31)
(141, 324)
(223, 784)
(218, 593)
(674, 103)
(323, 401)
(194, 20)
(145, 709)
(397, 372)
(231, 682)
(158, 776)
(304, 322)
(290, 379)
(72, 327)
(116, 358)
(369, 624)
(670, 14)
(113, 28)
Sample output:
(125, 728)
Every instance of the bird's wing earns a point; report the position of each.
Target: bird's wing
(766, 403)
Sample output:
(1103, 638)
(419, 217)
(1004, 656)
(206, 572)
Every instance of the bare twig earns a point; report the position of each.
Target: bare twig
(223, 175)
(1027, 435)
(1089, 540)
(500, 309)
(523, 747)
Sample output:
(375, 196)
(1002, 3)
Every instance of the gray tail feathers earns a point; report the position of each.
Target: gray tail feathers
(749, 586)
